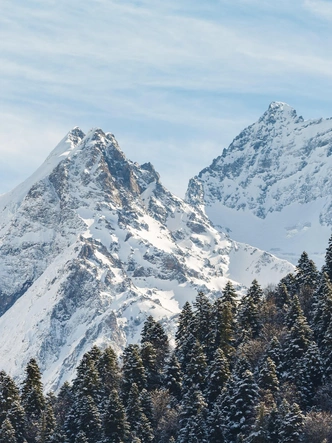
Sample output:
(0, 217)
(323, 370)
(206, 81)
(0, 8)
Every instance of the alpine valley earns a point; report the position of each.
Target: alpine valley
(92, 243)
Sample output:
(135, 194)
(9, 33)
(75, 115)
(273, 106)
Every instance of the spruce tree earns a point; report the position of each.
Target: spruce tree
(309, 375)
(154, 333)
(89, 420)
(115, 425)
(7, 432)
(291, 425)
(172, 380)
(322, 315)
(87, 381)
(223, 327)
(202, 321)
(185, 323)
(17, 417)
(139, 423)
(81, 438)
(218, 374)
(9, 394)
(33, 399)
(195, 373)
(109, 372)
(268, 379)
(133, 371)
(229, 296)
(152, 371)
(328, 259)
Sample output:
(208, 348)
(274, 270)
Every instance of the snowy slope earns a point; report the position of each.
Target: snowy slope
(272, 187)
(91, 244)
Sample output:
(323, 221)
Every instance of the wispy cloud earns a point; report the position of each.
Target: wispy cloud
(157, 70)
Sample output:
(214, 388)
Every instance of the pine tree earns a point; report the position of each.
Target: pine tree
(115, 425)
(173, 377)
(139, 423)
(223, 327)
(81, 438)
(202, 320)
(259, 433)
(89, 420)
(149, 359)
(249, 323)
(109, 372)
(154, 333)
(47, 424)
(16, 415)
(274, 352)
(185, 323)
(268, 379)
(328, 259)
(306, 273)
(218, 374)
(9, 394)
(291, 425)
(215, 423)
(87, 381)
(229, 296)
(239, 406)
(294, 311)
(133, 370)
(309, 375)
(282, 296)
(63, 404)
(32, 391)
(7, 432)
(192, 405)
(322, 315)
(195, 373)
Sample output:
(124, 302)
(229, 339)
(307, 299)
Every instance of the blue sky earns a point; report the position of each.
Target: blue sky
(175, 81)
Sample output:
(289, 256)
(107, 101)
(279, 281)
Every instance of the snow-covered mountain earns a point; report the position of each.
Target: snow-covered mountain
(91, 244)
(272, 187)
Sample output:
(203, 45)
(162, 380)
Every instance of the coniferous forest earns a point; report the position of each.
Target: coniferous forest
(256, 369)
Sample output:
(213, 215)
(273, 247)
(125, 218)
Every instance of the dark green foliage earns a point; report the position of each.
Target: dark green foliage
(249, 323)
(173, 377)
(223, 327)
(268, 379)
(154, 333)
(109, 372)
(202, 321)
(139, 423)
(115, 425)
(133, 370)
(218, 374)
(7, 432)
(328, 260)
(33, 399)
(322, 308)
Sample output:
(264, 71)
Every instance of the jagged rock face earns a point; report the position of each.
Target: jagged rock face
(272, 187)
(91, 244)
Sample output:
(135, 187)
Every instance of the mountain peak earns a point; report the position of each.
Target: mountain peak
(278, 111)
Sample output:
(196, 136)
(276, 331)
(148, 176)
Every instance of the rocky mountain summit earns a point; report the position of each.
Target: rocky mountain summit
(91, 244)
(272, 186)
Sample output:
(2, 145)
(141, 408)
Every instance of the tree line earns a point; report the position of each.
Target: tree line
(255, 369)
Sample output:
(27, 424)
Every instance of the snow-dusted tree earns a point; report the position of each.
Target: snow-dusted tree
(7, 432)
(328, 259)
(309, 375)
(218, 374)
(195, 372)
(139, 424)
(173, 377)
(109, 372)
(202, 320)
(152, 369)
(267, 378)
(32, 397)
(133, 370)
(115, 425)
(153, 332)
(87, 381)
(322, 315)
(223, 327)
(291, 425)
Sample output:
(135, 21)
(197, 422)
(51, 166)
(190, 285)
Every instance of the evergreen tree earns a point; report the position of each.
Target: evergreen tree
(202, 320)
(218, 374)
(89, 420)
(223, 327)
(294, 311)
(268, 379)
(139, 423)
(229, 296)
(322, 315)
(9, 394)
(328, 259)
(327, 353)
(195, 373)
(185, 323)
(63, 404)
(249, 323)
(133, 370)
(81, 438)
(282, 298)
(149, 359)
(192, 405)
(309, 375)
(17, 418)
(239, 403)
(260, 433)
(115, 425)
(32, 391)
(173, 377)
(109, 372)
(87, 381)
(215, 423)
(274, 352)
(306, 275)
(154, 333)
(7, 432)
(291, 425)
(47, 424)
